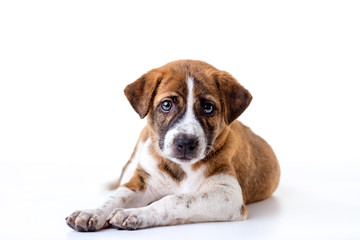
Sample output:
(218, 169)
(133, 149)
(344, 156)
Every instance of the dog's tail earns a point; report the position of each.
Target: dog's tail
(112, 185)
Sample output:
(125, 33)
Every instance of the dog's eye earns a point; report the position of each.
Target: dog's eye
(166, 105)
(208, 108)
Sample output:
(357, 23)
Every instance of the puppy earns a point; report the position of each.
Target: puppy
(194, 162)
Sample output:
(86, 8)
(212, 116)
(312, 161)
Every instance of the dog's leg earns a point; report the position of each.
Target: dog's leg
(130, 195)
(219, 198)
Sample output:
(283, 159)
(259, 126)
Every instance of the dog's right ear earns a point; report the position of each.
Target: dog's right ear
(141, 92)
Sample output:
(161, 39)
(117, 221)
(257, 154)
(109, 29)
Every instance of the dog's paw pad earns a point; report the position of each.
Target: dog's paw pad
(80, 228)
(70, 225)
(92, 228)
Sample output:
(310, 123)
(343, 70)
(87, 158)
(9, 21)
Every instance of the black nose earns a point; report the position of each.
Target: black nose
(186, 144)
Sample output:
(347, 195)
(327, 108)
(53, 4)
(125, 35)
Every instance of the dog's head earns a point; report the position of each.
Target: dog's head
(189, 104)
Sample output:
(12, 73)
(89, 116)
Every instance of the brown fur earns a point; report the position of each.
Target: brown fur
(235, 150)
(252, 162)
(137, 182)
(172, 169)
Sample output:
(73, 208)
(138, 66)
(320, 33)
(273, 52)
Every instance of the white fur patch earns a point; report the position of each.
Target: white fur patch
(192, 180)
(188, 125)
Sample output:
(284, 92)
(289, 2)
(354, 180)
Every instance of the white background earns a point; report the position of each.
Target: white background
(66, 127)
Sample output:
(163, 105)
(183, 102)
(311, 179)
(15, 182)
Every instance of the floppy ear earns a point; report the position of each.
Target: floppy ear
(234, 97)
(141, 92)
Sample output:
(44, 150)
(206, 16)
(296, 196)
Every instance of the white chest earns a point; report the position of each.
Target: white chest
(162, 183)
(192, 180)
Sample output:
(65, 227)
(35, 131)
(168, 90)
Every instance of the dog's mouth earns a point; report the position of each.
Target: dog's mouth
(180, 157)
(184, 158)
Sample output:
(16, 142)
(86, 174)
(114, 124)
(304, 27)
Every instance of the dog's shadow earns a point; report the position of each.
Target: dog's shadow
(264, 209)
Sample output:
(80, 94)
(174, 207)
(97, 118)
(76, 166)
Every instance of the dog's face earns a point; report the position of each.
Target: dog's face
(189, 104)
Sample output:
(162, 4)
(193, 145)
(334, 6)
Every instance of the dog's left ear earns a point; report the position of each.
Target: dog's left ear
(234, 97)
(141, 92)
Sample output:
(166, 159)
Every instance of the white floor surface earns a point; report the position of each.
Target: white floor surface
(36, 200)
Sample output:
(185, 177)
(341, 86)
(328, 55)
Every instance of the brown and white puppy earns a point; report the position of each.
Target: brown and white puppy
(194, 162)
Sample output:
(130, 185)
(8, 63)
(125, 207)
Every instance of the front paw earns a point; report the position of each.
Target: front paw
(86, 221)
(129, 219)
